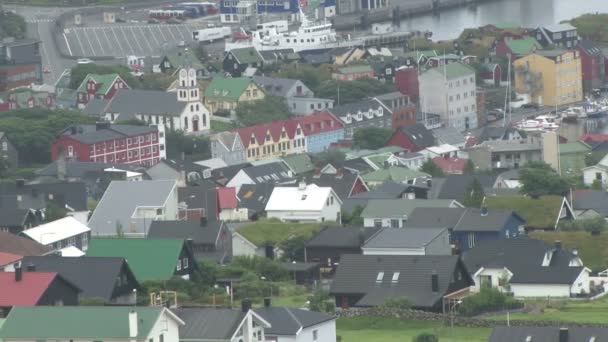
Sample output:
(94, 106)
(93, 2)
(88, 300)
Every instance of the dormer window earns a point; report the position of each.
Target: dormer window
(252, 141)
(268, 137)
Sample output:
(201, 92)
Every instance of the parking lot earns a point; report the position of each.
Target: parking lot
(127, 39)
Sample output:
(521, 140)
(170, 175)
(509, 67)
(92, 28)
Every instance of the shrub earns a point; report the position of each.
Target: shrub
(425, 337)
(321, 302)
(400, 303)
(487, 300)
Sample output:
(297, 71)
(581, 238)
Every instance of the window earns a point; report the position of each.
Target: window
(159, 211)
(185, 263)
(378, 223)
(4, 146)
(315, 335)
(380, 277)
(598, 176)
(129, 141)
(161, 338)
(395, 277)
(179, 264)
(394, 223)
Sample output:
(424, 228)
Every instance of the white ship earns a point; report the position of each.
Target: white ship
(540, 123)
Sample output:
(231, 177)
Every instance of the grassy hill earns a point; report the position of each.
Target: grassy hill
(592, 249)
(274, 231)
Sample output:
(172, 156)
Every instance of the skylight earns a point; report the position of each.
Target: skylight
(396, 277)
(380, 277)
(304, 197)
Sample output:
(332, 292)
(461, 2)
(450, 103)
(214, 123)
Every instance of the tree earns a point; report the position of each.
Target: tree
(432, 169)
(371, 138)
(330, 156)
(156, 81)
(311, 76)
(80, 71)
(344, 92)
(354, 217)
(469, 167)
(194, 147)
(54, 212)
(262, 111)
(540, 179)
(598, 224)
(474, 196)
(293, 248)
(120, 231)
(597, 185)
(12, 25)
(320, 301)
(425, 337)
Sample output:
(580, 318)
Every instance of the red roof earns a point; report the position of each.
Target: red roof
(8, 258)
(311, 124)
(27, 291)
(227, 198)
(450, 165)
(595, 137)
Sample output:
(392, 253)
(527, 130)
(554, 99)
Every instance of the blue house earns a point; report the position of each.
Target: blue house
(321, 130)
(469, 226)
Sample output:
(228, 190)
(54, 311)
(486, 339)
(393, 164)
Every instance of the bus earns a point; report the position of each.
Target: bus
(168, 13)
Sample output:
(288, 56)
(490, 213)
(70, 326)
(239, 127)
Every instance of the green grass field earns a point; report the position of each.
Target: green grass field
(567, 311)
(374, 329)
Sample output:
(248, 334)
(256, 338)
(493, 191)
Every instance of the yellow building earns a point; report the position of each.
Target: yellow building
(226, 93)
(551, 77)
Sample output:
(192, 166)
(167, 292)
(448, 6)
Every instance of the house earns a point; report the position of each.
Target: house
(299, 163)
(395, 213)
(305, 203)
(107, 143)
(597, 173)
(77, 171)
(593, 63)
(120, 323)
(236, 61)
(224, 94)
(450, 91)
(281, 55)
(369, 280)
(406, 80)
(21, 63)
(228, 206)
(403, 109)
(22, 98)
(572, 157)
(149, 259)
(562, 36)
(346, 55)
(397, 174)
(440, 150)
(589, 203)
(35, 198)
(106, 278)
(540, 73)
(95, 86)
(13, 248)
(303, 273)
(179, 58)
(363, 114)
(491, 74)
(500, 154)
(254, 198)
(8, 151)
(299, 98)
(437, 61)
(451, 165)
(181, 109)
(275, 172)
(228, 147)
(489, 133)
(543, 213)
(297, 325)
(516, 47)
(301, 106)
(273, 139)
(410, 241)
(528, 268)
(450, 136)
(412, 138)
(548, 334)
(61, 233)
(129, 207)
(321, 130)
(221, 325)
(344, 184)
(354, 72)
(211, 241)
(20, 288)
(222, 175)
(182, 171)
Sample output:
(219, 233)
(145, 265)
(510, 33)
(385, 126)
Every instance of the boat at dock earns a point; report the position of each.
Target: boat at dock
(541, 123)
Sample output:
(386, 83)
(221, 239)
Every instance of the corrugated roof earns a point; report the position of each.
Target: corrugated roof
(227, 198)
(523, 46)
(27, 291)
(230, 88)
(57, 230)
(105, 81)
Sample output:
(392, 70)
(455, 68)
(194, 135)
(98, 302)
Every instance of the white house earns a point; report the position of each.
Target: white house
(60, 234)
(304, 203)
(297, 325)
(450, 91)
(443, 150)
(597, 172)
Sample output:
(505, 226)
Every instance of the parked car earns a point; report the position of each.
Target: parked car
(84, 61)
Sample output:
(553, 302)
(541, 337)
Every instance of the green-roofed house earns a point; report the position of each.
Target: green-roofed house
(450, 91)
(353, 72)
(517, 47)
(225, 93)
(21, 98)
(91, 323)
(99, 87)
(395, 174)
(298, 163)
(542, 213)
(149, 259)
(572, 158)
(237, 61)
(179, 58)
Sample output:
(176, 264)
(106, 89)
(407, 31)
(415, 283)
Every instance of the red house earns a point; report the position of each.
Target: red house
(413, 138)
(491, 74)
(20, 288)
(351, 73)
(450, 165)
(516, 47)
(593, 64)
(99, 87)
(406, 80)
(105, 143)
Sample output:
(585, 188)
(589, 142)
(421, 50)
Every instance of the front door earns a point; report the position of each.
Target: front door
(195, 124)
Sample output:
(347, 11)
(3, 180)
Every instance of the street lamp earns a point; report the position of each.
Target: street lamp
(269, 282)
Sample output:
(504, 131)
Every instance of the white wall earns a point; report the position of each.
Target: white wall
(171, 209)
(239, 179)
(386, 222)
(540, 290)
(581, 284)
(393, 251)
(242, 247)
(295, 215)
(330, 212)
(166, 326)
(238, 214)
(589, 176)
(495, 273)
(326, 332)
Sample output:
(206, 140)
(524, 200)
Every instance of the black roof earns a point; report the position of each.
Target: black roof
(90, 134)
(435, 217)
(357, 165)
(548, 334)
(342, 237)
(591, 199)
(358, 275)
(462, 219)
(183, 230)
(223, 175)
(13, 217)
(275, 172)
(289, 321)
(208, 324)
(78, 169)
(524, 257)
(36, 195)
(589, 48)
(341, 184)
(419, 135)
(354, 107)
(95, 276)
(255, 196)
(455, 186)
(202, 196)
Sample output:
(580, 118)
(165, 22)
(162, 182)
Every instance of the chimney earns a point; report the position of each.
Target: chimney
(434, 282)
(302, 185)
(558, 244)
(31, 268)
(267, 302)
(339, 173)
(18, 274)
(563, 334)
(203, 222)
(133, 324)
(484, 211)
(245, 305)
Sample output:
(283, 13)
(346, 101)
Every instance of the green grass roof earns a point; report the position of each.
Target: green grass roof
(106, 81)
(592, 249)
(539, 213)
(274, 231)
(355, 68)
(575, 147)
(393, 173)
(523, 46)
(247, 55)
(379, 159)
(81, 322)
(149, 259)
(229, 88)
(184, 58)
(299, 162)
